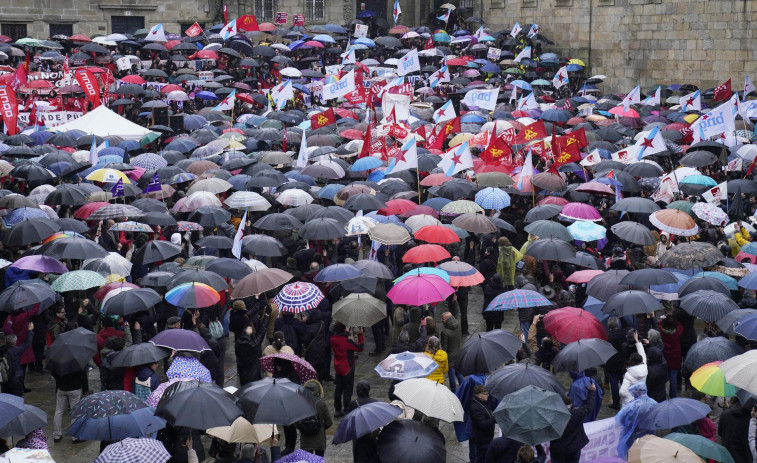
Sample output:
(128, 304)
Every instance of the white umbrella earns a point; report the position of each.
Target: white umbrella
(177, 95)
(359, 225)
(419, 221)
(114, 261)
(255, 264)
(291, 72)
(243, 432)
(200, 199)
(432, 399)
(294, 198)
(247, 199)
(741, 371)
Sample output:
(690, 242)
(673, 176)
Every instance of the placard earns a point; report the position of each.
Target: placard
(493, 53)
(298, 19)
(53, 118)
(361, 31)
(281, 17)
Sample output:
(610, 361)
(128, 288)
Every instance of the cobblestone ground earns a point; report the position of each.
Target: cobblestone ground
(43, 396)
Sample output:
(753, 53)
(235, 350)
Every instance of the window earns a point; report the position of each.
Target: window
(265, 9)
(314, 9)
(61, 29)
(14, 31)
(466, 4)
(126, 24)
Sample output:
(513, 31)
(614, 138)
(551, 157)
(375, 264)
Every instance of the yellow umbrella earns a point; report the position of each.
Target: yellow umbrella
(114, 278)
(577, 61)
(242, 431)
(108, 176)
(233, 136)
(235, 145)
(459, 139)
(690, 118)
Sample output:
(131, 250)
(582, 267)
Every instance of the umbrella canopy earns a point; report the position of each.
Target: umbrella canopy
(431, 398)
(364, 420)
(30, 419)
(242, 431)
(702, 446)
(674, 412)
(138, 423)
(78, 280)
(180, 340)
(571, 324)
(518, 299)
(653, 449)
(303, 369)
(420, 289)
(106, 403)
(409, 441)
(740, 371)
(550, 249)
(485, 352)
(631, 302)
(710, 379)
(711, 350)
(131, 450)
(12, 406)
(298, 297)
(192, 295)
(275, 401)
(708, 305)
(211, 406)
(406, 365)
(259, 282)
(359, 309)
(132, 301)
(647, 277)
(691, 255)
(71, 351)
(583, 354)
(26, 293)
(532, 415)
(188, 367)
(516, 376)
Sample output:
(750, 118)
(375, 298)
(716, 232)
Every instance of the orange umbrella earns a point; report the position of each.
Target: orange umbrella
(674, 221)
(425, 253)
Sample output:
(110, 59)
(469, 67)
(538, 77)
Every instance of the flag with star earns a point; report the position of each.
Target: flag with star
(456, 160)
(526, 53)
(561, 78)
(397, 11)
(651, 143)
(748, 86)
(229, 30)
(653, 100)
(440, 76)
(528, 102)
(227, 104)
(533, 31)
(282, 93)
(633, 97)
(479, 34)
(406, 158)
(691, 102)
(445, 113)
(515, 30)
(156, 34)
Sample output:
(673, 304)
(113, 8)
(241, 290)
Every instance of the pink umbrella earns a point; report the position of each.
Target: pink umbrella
(471, 73)
(154, 397)
(583, 276)
(303, 368)
(619, 111)
(580, 211)
(420, 289)
(596, 188)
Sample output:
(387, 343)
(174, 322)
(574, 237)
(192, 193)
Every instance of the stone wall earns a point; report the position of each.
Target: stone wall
(703, 42)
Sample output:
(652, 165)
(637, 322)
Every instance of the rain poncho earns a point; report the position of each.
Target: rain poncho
(630, 416)
(508, 257)
(579, 391)
(464, 429)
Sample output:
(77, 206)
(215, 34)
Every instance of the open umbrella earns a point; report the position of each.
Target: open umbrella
(242, 431)
(518, 299)
(515, 376)
(570, 324)
(180, 340)
(304, 370)
(583, 354)
(71, 351)
(604, 286)
(30, 419)
(550, 249)
(674, 412)
(138, 423)
(647, 277)
(711, 350)
(532, 415)
(154, 251)
(359, 309)
(364, 420)
(710, 379)
(188, 367)
(702, 446)
(106, 403)
(275, 401)
(259, 282)
(197, 405)
(409, 441)
(12, 406)
(431, 398)
(691, 255)
(134, 451)
(298, 297)
(132, 301)
(633, 232)
(653, 449)
(708, 305)
(461, 273)
(192, 295)
(485, 352)
(26, 293)
(139, 354)
(631, 302)
(406, 365)
(420, 289)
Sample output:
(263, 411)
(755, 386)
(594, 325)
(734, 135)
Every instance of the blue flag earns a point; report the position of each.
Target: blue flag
(154, 184)
(118, 189)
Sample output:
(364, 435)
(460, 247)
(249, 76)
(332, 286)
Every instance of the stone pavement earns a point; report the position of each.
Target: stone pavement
(43, 396)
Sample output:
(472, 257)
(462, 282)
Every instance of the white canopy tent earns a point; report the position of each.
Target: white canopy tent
(102, 122)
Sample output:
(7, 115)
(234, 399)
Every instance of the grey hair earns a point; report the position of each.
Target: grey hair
(404, 336)
(433, 344)
(613, 323)
(654, 337)
(247, 452)
(11, 339)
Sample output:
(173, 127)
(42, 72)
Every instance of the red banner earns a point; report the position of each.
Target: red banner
(323, 119)
(498, 153)
(379, 147)
(508, 136)
(9, 108)
(398, 132)
(577, 136)
(194, 30)
(88, 82)
(298, 19)
(531, 132)
(281, 17)
(565, 154)
(247, 23)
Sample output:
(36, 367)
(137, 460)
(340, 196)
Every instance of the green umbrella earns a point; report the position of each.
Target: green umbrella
(532, 415)
(78, 280)
(514, 71)
(28, 41)
(682, 205)
(149, 138)
(702, 446)
(549, 229)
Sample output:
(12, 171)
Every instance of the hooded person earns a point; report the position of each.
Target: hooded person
(657, 374)
(413, 326)
(313, 430)
(248, 350)
(314, 343)
(635, 373)
(508, 257)
(631, 415)
(579, 394)
(492, 289)
(364, 448)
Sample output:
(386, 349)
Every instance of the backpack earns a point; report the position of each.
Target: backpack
(216, 329)
(4, 370)
(309, 426)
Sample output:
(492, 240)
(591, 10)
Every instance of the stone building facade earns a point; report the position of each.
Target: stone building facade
(703, 42)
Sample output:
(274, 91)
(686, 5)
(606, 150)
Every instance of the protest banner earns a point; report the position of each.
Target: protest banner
(281, 17)
(298, 19)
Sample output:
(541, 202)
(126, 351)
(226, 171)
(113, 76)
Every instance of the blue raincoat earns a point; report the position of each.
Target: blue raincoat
(631, 415)
(579, 392)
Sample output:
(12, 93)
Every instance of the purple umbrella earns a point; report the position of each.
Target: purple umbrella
(41, 264)
(178, 339)
(299, 456)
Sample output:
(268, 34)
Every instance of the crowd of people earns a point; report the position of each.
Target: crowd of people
(315, 232)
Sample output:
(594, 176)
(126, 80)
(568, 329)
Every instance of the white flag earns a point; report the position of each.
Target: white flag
(748, 86)
(229, 30)
(486, 99)
(407, 158)
(516, 30)
(227, 103)
(561, 78)
(303, 157)
(652, 100)
(528, 102)
(719, 120)
(440, 76)
(664, 193)
(650, 144)
(445, 113)
(236, 248)
(156, 34)
(409, 63)
(716, 194)
(457, 159)
(591, 159)
(282, 93)
(349, 56)
(340, 88)
(526, 53)
(632, 98)
(691, 102)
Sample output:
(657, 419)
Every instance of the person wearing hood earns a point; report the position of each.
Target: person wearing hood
(413, 326)
(248, 350)
(435, 351)
(403, 344)
(451, 339)
(567, 449)
(663, 245)
(293, 329)
(631, 415)
(364, 448)
(313, 431)
(579, 393)
(314, 343)
(615, 366)
(733, 429)
(492, 289)
(636, 371)
(344, 346)
(508, 257)
(671, 332)
(657, 376)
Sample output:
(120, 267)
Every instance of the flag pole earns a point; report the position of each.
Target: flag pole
(418, 176)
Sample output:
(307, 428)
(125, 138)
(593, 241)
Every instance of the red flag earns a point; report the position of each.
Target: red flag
(225, 13)
(19, 78)
(392, 118)
(88, 82)
(421, 131)
(531, 132)
(65, 65)
(284, 141)
(431, 138)
(565, 154)
(194, 30)
(365, 151)
(323, 119)
(508, 136)
(9, 108)
(497, 153)
(722, 91)
(379, 147)
(577, 138)
(429, 44)
(746, 174)
(247, 23)
(567, 105)
(451, 126)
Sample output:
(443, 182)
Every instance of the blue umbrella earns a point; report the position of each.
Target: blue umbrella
(366, 163)
(669, 291)
(324, 38)
(40, 137)
(493, 198)
(296, 44)
(729, 282)
(406, 365)
(583, 230)
(472, 118)
(138, 423)
(491, 68)
(425, 271)
(58, 167)
(594, 306)
(364, 420)
(365, 41)
(112, 151)
(674, 412)
(329, 191)
(298, 177)
(12, 406)
(206, 95)
(437, 203)
(522, 84)
(573, 68)
(749, 281)
(23, 213)
(129, 145)
(338, 272)
(747, 326)
(556, 115)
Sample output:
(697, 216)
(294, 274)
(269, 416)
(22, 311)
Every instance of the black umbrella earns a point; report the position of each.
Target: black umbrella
(30, 419)
(410, 441)
(691, 255)
(154, 251)
(228, 268)
(543, 212)
(584, 259)
(647, 277)
(322, 229)
(263, 245)
(709, 283)
(131, 301)
(72, 248)
(158, 278)
(139, 354)
(30, 231)
(215, 242)
(727, 323)
(711, 350)
(516, 376)
(337, 213)
(305, 212)
(211, 279)
(603, 286)
(708, 305)
(486, 352)
(550, 249)
(275, 401)
(210, 216)
(72, 225)
(11, 406)
(277, 221)
(197, 405)
(583, 354)
(364, 202)
(636, 205)
(71, 351)
(158, 218)
(150, 205)
(66, 195)
(26, 293)
(630, 302)
(633, 232)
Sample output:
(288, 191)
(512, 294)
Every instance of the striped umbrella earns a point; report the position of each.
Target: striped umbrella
(114, 211)
(78, 280)
(518, 299)
(247, 200)
(192, 295)
(149, 161)
(298, 297)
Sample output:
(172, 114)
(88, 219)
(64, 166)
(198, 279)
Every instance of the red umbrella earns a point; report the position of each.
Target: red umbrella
(345, 113)
(86, 210)
(556, 200)
(620, 111)
(420, 210)
(5, 39)
(314, 44)
(172, 43)
(425, 253)
(206, 54)
(397, 206)
(304, 369)
(583, 276)
(352, 134)
(40, 84)
(267, 27)
(79, 38)
(570, 324)
(133, 79)
(434, 180)
(171, 88)
(438, 234)
(104, 290)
